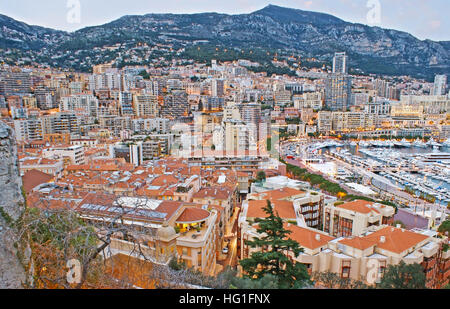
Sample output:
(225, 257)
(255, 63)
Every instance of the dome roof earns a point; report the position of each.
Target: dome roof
(166, 232)
(193, 215)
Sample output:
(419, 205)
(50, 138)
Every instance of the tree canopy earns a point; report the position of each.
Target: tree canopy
(403, 276)
(261, 176)
(445, 227)
(272, 258)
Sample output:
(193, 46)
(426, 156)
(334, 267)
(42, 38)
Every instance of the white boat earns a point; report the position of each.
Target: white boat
(419, 144)
(397, 144)
(446, 143)
(364, 144)
(433, 143)
(405, 143)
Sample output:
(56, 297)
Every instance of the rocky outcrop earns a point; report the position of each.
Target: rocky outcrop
(12, 205)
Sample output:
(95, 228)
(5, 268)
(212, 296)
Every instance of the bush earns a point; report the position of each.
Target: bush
(444, 227)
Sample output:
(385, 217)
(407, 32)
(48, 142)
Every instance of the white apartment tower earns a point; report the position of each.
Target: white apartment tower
(440, 85)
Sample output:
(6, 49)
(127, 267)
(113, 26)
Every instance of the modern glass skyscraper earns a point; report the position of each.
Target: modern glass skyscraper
(338, 85)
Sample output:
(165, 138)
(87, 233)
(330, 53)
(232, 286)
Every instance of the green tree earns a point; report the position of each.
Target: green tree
(144, 74)
(272, 259)
(332, 280)
(403, 276)
(261, 176)
(266, 282)
(444, 228)
(177, 264)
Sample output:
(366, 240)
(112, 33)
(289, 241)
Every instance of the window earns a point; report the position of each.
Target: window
(345, 270)
(382, 269)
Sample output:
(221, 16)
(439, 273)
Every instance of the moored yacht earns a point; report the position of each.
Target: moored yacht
(405, 143)
(446, 143)
(397, 144)
(364, 144)
(419, 144)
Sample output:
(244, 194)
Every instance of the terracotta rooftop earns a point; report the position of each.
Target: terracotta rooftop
(395, 240)
(192, 214)
(221, 193)
(164, 180)
(358, 243)
(280, 194)
(285, 209)
(34, 178)
(360, 206)
(306, 237)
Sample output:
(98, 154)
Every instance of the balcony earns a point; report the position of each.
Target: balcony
(430, 249)
(194, 232)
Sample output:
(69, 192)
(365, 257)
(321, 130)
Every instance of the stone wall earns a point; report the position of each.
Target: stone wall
(12, 204)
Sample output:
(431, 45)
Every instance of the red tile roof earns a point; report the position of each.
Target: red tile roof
(191, 214)
(285, 209)
(34, 178)
(306, 237)
(360, 206)
(358, 243)
(395, 240)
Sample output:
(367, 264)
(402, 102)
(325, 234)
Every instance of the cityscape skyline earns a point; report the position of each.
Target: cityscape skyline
(424, 21)
(278, 150)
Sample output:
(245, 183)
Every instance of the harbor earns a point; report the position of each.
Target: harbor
(419, 170)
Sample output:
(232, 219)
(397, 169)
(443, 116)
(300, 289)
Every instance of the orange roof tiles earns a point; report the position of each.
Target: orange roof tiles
(34, 178)
(358, 243)
(285, 209)
(191, 214)
(307, 238)
(360, 206)
(395, 240)
(220, 193)
(280, 194)
(164, 180)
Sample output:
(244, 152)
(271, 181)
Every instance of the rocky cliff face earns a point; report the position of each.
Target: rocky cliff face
(12, 273)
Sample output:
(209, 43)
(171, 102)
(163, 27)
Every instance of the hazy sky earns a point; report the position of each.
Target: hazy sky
(426, 19)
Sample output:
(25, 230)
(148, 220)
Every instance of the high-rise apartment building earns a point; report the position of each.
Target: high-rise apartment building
(340, 63)
(15, 83)
(440, 85)
(88, 103)
(338, 92)
(338, 85)
(28, 129)
(217, 88)
(145, 105)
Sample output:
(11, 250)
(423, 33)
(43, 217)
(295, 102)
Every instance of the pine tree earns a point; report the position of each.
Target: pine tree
(273, 257)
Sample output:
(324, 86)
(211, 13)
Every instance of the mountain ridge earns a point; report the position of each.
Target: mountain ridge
(311, 34)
